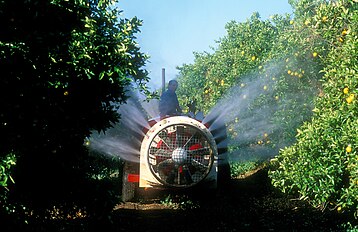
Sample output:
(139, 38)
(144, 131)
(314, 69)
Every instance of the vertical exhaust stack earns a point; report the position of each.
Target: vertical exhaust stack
(163, 80)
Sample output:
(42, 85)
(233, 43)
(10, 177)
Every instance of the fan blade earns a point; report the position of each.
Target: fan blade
(199, 165)
(190, 140)
(161, 153)
(164, 137)
(178, 175)
(199, 151)
(187, 174)
(167, 170)
(180, 136)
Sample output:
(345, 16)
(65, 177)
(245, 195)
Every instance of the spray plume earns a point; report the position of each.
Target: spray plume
(254, 115)
(124, 138)
(249, 113)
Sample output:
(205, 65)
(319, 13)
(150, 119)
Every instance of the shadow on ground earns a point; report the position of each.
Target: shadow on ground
(247, 204)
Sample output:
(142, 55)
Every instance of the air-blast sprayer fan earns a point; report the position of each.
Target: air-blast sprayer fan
(177, 152)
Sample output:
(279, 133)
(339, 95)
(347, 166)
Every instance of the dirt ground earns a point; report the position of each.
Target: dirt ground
(245, 204)
(249, 203)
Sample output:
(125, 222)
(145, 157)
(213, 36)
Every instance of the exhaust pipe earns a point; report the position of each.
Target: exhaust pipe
(163, 80)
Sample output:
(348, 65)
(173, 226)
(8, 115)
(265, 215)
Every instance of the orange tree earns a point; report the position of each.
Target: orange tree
(65, 67)
(260, 78)
(321, 166)
(236, 55)
(288, 69)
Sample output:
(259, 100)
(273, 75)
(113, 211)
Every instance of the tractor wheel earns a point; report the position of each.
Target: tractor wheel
(129, 189)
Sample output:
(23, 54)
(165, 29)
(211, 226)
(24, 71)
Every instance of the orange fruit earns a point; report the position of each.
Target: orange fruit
(346, 90)
(350, 98)
(348, 149)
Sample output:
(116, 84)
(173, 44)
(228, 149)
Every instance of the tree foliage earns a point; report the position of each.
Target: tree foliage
(259, 80)
(322, 165)
(287, 89)
(65, 67)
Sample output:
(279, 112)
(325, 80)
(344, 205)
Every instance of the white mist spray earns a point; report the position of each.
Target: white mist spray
(124, 138)
(254, 113)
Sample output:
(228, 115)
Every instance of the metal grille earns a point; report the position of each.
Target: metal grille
(180, 155)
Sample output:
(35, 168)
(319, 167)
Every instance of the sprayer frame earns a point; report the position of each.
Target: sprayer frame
(137, 177)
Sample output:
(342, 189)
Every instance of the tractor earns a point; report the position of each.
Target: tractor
(182, 153)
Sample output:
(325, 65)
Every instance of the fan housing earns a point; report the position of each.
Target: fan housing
(178, 152)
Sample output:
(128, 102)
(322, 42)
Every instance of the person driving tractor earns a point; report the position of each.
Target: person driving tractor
(169, 104)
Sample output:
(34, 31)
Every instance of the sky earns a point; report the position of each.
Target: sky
(173, 30)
